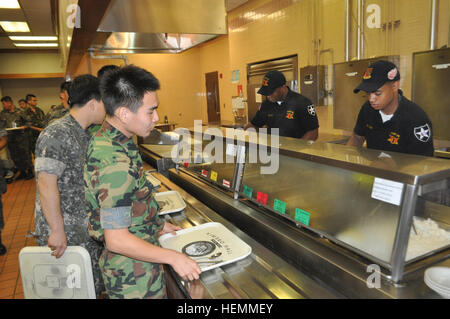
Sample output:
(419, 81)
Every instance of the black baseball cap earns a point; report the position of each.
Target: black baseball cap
(272, 81)
(377, 74)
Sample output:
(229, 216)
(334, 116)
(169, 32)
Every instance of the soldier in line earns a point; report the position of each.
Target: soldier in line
(18, 146)
(122, 210)
(35, 117)
(60, 211)
(62, 109)
(23, 104)
(3, 142)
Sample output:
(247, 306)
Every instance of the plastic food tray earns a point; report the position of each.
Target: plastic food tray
(212, 245)
(153, 180)
(169, 202)
(46, 277)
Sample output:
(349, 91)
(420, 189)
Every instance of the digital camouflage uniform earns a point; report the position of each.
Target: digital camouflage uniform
(18, 141)
(34, 119)
(55, 114)
(61, 151)
(119, 196)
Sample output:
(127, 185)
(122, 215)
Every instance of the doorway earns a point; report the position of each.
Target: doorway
(212, 97)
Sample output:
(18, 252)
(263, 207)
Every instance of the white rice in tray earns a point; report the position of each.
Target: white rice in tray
(429, 237)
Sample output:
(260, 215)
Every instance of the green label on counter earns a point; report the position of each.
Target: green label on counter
(248, 191)
(302, 216)
(279, 206)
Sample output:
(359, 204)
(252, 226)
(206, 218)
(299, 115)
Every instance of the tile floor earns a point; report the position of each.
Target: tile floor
(18, 212)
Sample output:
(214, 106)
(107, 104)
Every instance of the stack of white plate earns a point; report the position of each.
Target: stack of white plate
(438, 279)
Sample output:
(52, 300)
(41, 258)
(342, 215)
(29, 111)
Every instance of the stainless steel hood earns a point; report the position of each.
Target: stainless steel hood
(154, 26)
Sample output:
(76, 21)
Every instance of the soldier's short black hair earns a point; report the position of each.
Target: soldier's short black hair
(106, 68)
(64, 86)
(126, 87)
(6, 99)
(83, 89)
(22, 100)
(29, 96)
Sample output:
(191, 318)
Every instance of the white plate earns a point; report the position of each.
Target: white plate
(212, 245)
(169, 202)
(440, 276)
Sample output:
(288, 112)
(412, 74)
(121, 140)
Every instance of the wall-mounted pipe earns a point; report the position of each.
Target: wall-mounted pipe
(434, 5)
(362, 29)
(358, 36)
(347, 29)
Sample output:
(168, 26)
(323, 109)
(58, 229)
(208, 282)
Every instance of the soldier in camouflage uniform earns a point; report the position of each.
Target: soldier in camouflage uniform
(3, 143)
(35, 117)
(62, 109)
(18, 145)
(122, 210)
(60, 211)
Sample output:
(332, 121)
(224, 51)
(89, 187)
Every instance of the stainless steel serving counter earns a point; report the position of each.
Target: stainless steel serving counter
(321, 255)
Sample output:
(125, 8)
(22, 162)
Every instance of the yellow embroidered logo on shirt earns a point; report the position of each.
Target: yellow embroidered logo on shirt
(290, 115)
(393, 138)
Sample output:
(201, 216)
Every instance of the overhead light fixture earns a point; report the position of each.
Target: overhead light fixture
(32, 38)
(14, 26)
(48, 45)
(9, 4)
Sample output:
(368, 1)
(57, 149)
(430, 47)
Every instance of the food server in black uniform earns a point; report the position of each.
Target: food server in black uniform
(292, 113)
(388, 121)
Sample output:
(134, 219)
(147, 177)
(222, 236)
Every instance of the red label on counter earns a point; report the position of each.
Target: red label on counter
(204, 173)
(226, 183)
(186, 164)
(262, 198)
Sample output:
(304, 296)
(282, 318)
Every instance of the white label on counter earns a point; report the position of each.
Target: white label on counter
(231, 150)
(387, 191)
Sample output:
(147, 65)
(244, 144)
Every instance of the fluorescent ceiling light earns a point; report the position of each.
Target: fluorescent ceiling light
(32, 38)
(36, 44)
(9, 4)
(13, 26)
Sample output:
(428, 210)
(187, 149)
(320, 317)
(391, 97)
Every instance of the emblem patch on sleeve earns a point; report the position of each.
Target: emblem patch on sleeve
(311, 110)
(422, 133)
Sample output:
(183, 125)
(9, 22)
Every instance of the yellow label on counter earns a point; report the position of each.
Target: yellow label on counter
(214, 176)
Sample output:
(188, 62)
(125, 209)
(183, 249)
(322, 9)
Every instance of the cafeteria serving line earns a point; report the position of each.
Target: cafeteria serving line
(305, 219)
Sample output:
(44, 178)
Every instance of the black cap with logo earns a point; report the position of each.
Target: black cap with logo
(377, 74)
(272, 81)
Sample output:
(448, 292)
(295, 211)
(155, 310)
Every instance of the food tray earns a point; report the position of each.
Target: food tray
(169, 202)
(46, 277)
(153, 180)
(212, 245)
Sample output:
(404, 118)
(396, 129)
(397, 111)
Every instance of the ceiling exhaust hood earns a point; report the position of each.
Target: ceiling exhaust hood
(158, 26)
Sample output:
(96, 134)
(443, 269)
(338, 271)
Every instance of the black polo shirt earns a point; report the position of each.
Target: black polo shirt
(408, 131)
(294, 117)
